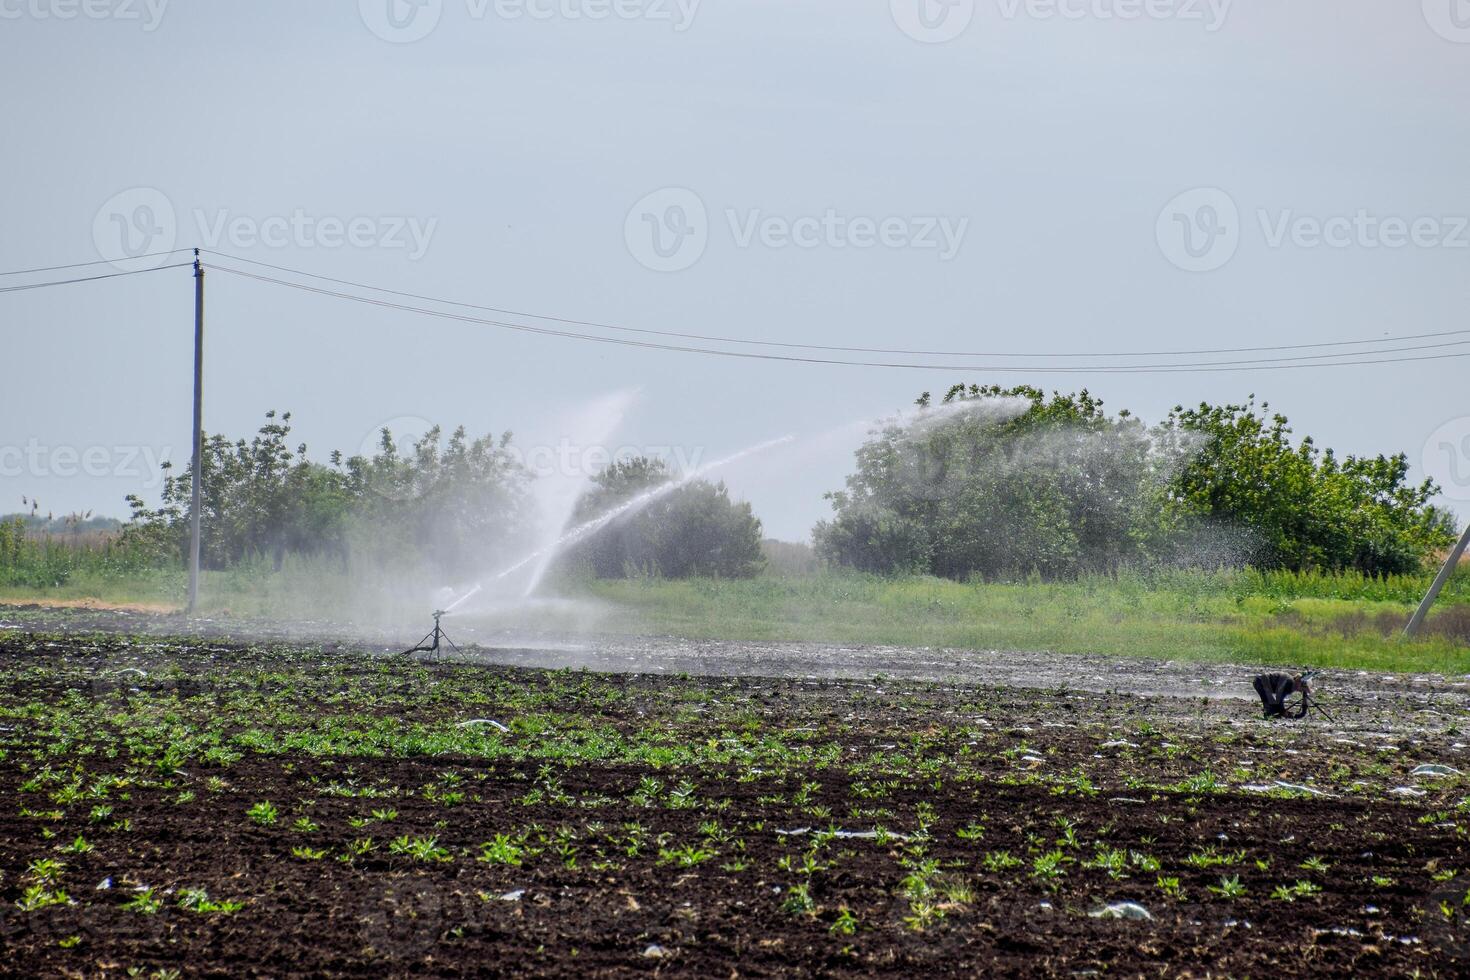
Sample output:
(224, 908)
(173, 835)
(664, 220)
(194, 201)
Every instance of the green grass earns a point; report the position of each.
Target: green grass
(162, 588)
(1221, 617)
(1309, 619)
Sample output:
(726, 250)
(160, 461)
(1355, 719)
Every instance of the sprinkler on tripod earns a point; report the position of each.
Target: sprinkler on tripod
(431, 641)
(1309, 701)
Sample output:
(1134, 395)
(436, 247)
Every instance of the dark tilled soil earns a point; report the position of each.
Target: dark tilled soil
(389, 914)
(601, 887)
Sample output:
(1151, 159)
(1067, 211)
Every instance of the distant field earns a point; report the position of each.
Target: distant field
(1310, 620)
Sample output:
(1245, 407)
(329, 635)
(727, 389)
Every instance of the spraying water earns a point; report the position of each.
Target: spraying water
(576, 534)
(806, 471)
(558, 491)
(608, 411)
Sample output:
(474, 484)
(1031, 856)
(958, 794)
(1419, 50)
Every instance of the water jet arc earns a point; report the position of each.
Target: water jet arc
(627, 507)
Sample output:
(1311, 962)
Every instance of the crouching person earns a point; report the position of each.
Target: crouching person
(1274, 689)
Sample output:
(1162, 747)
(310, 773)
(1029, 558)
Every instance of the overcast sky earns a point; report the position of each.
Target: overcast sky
(996, 176)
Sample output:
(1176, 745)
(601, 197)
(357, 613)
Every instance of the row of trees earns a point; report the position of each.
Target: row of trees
(459, 506)
(1002, 482)
(995, 482)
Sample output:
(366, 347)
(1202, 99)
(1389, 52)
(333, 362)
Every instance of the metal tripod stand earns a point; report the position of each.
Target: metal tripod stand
(1307, 706)
(432, 640)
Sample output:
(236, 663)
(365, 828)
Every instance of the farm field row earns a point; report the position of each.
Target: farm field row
(206, 806)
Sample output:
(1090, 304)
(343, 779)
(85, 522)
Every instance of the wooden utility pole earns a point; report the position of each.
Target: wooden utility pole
(198, 464)
(1439, 583)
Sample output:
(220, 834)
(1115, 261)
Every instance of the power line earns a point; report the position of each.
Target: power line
(1262, 364)
(78, 265)
(110, 275)
(1335, 358)
(714, 338)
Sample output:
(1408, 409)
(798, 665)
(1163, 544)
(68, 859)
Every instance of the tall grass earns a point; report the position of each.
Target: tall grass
(48, 561)
(1349, 585)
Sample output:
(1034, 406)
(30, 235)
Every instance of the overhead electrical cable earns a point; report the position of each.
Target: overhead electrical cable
(1332, 358)
(110, 275)
(1263, 364)
(78, 265)
(714, 338)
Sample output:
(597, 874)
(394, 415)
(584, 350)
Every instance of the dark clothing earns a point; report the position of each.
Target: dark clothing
(1274, 690)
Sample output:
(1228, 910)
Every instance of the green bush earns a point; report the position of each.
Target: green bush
(1005, 483)
(694, 529)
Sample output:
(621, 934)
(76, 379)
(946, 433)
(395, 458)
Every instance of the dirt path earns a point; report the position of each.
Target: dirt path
(99, 605)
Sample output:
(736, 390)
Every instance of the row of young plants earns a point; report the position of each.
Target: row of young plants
(935, 799)
(344, 707)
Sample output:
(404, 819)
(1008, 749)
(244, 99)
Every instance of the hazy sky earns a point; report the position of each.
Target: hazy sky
(996, 176)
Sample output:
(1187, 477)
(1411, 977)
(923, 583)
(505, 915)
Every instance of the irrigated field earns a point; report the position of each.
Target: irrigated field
(194, 806)
(1305, 619)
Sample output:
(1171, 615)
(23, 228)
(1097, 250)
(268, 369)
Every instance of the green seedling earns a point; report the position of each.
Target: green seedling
(1170, 887)
(423, 849)
(846, 923)
(501, 850)
(145, 902)
(264, 813)
(38, 896)
(1229, 887)
(198, 900)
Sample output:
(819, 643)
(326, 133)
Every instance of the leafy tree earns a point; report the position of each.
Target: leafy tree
(449, 506)
(1004, 482)
(260, 498)
(1000, 482)
(463, 505)
(1304, 508)
(693, 529)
